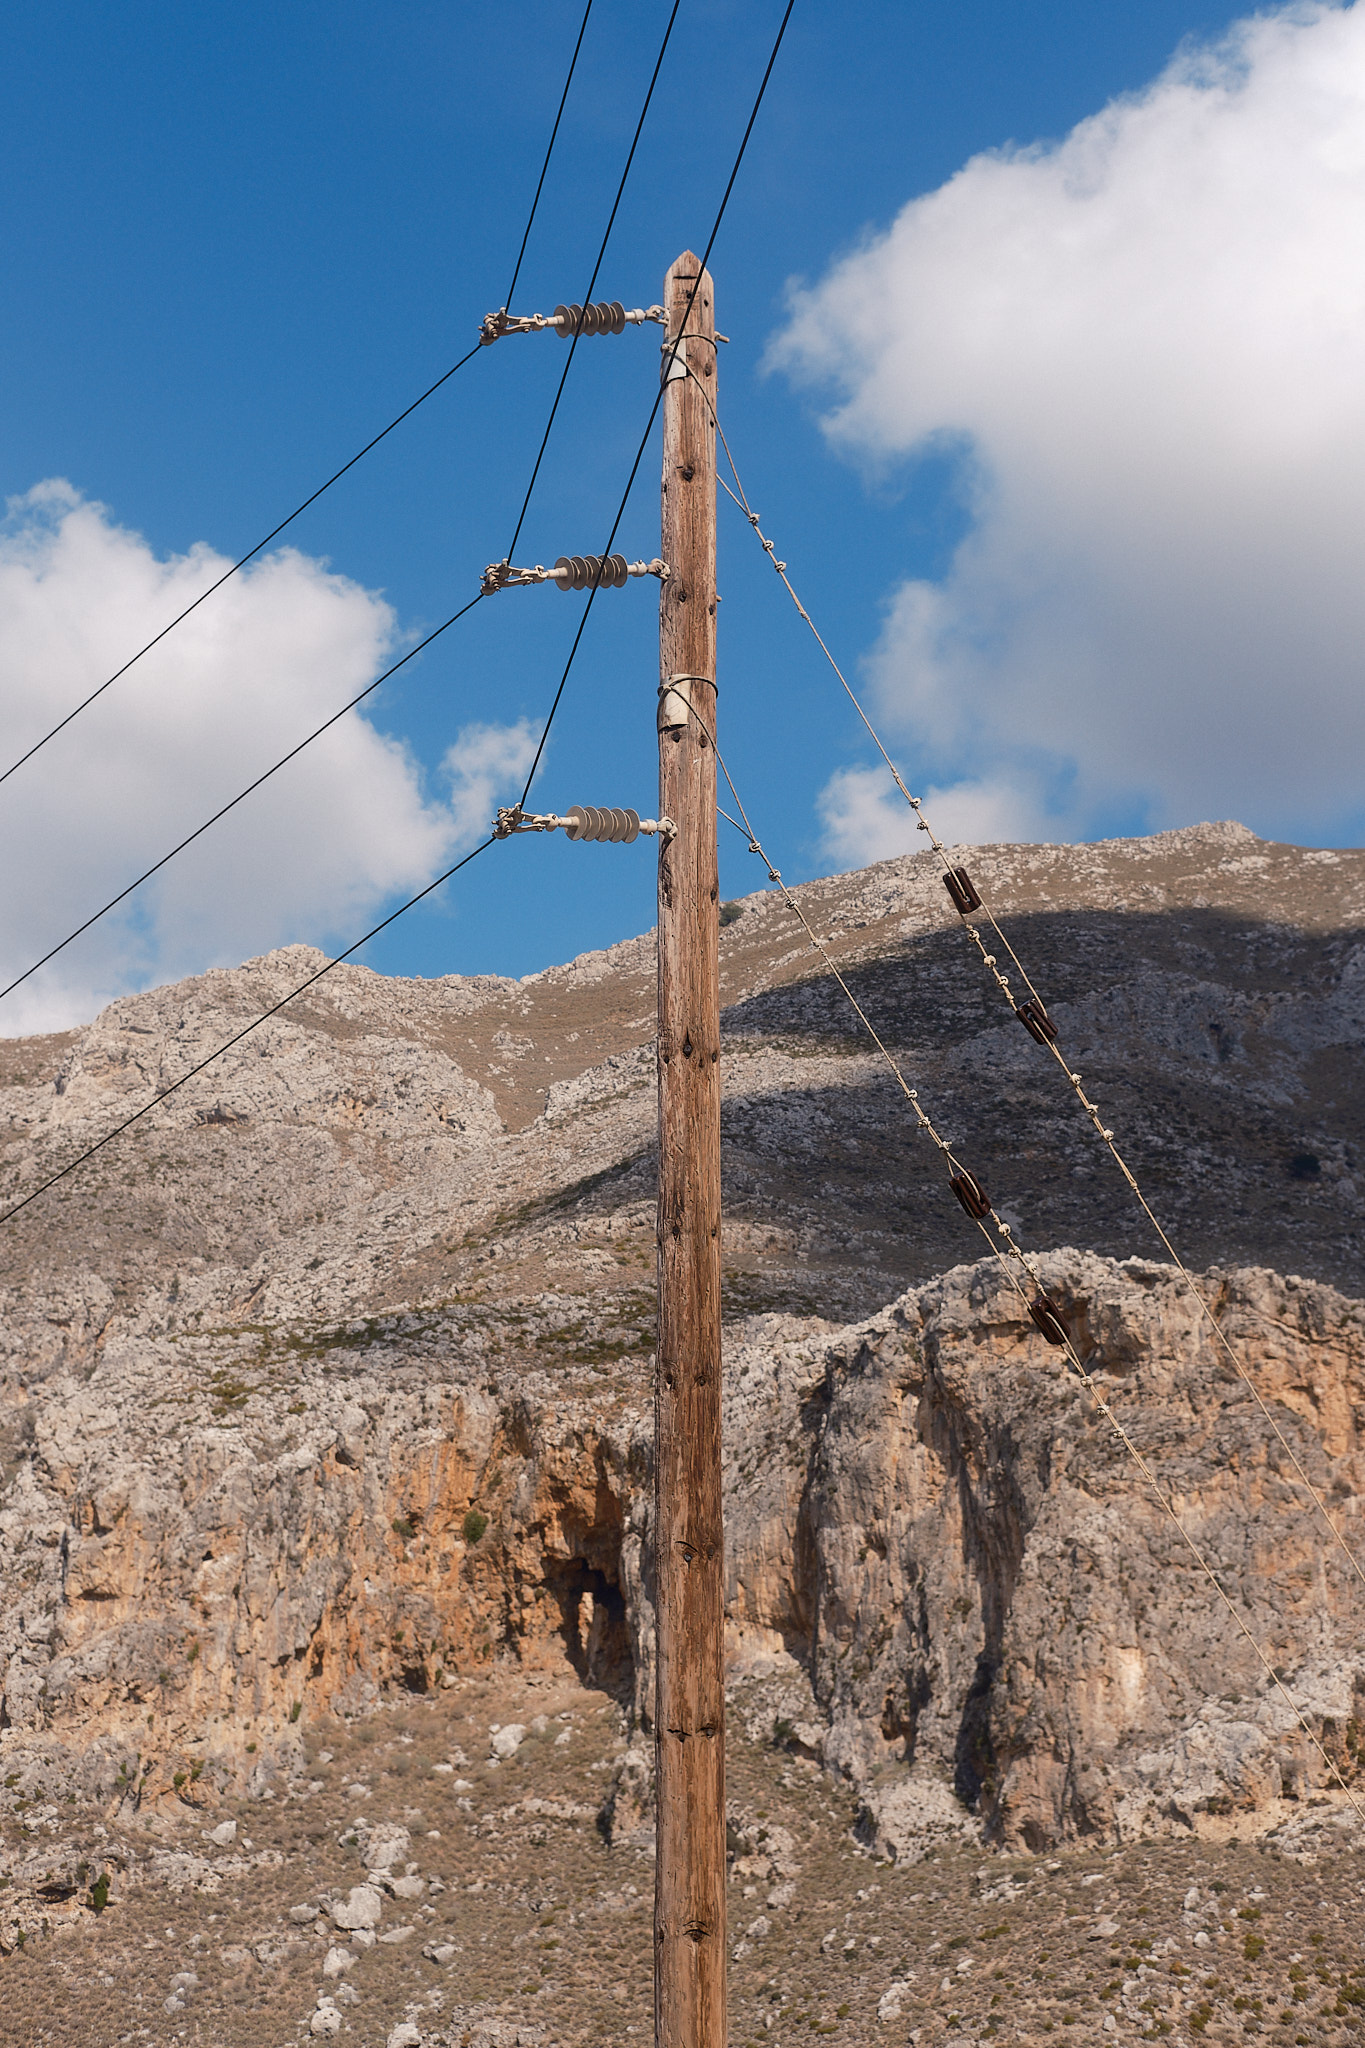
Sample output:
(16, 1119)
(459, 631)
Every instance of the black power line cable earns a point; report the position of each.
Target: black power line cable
(156, 866)
(71, 1166)
(264, 1018)
(233, 802)
(653, 411)
(592, 281)
(275, 531)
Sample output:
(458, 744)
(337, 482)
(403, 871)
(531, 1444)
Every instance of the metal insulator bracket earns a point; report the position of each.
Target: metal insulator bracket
(572, 572)
(583, 821)
(608, 316)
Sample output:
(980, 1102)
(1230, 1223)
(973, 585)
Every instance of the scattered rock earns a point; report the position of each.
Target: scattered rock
(507, 1741)
(362, 1907)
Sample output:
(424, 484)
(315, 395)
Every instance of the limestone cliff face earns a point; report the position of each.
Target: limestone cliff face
(925, 1515)
(334, 1374)
(930, 1512)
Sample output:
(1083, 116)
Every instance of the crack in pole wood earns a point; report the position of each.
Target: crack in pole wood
(689, 1897)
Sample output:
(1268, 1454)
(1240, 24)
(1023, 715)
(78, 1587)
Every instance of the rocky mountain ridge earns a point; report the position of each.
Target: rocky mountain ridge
(334, 1377)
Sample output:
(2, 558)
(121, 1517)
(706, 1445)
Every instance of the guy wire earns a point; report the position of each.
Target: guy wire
(1011, 1272)
(1102, 1131)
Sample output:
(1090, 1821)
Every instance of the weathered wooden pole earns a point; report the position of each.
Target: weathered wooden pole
(689, 1717)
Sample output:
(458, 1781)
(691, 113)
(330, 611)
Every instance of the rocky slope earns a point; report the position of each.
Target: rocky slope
(334, 1376)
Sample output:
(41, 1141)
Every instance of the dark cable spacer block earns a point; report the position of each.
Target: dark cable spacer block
(1048, 1316)
(1036, 1022)
(962, 889)
(971, 1194)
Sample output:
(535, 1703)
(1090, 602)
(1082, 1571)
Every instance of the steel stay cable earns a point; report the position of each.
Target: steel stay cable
(233, 802)
(336, 477)
(927, 1126)
(7, 1214)
(658, 397)
(1074, 1080)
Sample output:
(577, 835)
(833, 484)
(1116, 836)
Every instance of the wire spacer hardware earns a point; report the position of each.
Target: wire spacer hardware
(572, 572)
(583, 821)
(1047, 1315)
(1034, 1019)
(963, 891)
(608, 316)
(971, 1194)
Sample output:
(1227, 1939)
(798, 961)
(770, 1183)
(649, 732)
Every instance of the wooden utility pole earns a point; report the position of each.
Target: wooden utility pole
(689, 1714)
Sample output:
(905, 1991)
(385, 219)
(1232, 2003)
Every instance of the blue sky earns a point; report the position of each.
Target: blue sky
(238, 240)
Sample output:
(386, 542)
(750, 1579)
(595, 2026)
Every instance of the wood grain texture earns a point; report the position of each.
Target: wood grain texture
(689, 1898)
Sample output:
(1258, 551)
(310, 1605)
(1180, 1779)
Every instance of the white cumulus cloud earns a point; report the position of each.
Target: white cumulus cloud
(865, 817)
(1146, 341)
(285, 643)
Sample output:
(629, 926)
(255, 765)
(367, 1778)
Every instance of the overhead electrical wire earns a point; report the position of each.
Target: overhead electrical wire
(1049, 1039)
(293, 752)
(337, 475)
(658, 397)
(592, 281)
(128, 1122)
(233, 802)
(1013, 1259)
(6, 1215)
